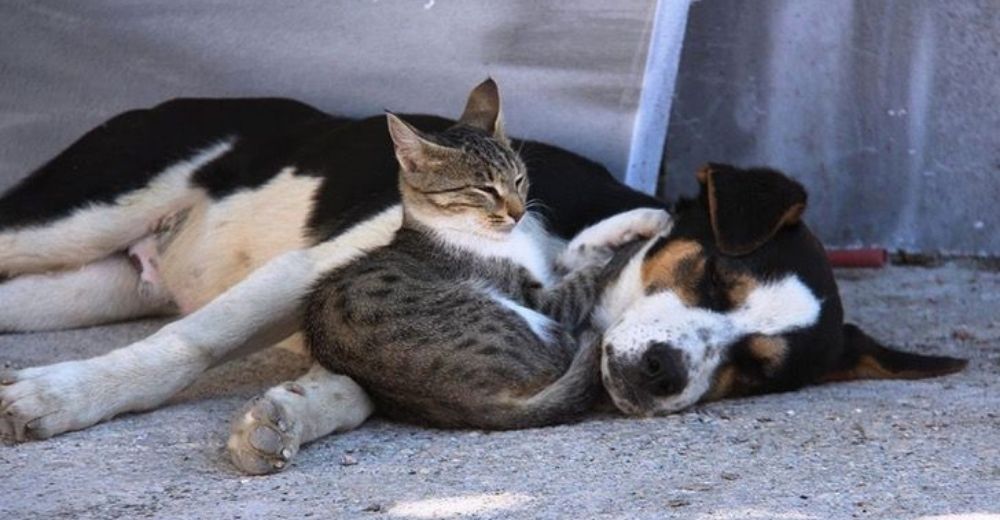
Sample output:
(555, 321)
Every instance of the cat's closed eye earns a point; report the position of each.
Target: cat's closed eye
(490, 191)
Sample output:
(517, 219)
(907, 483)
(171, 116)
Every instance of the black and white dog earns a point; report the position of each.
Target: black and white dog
(225, 212)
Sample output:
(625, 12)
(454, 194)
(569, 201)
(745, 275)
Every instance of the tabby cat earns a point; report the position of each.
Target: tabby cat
(458, 322)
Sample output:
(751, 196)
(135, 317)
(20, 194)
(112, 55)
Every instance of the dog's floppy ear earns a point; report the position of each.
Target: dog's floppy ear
(866, 358)
(748, 207)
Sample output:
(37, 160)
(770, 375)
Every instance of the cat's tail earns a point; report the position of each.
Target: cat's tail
(565, 400)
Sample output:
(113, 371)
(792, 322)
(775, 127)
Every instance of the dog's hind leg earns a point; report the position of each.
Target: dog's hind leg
(83, 232)
(260, 311)
(100, 292)
(269, 430)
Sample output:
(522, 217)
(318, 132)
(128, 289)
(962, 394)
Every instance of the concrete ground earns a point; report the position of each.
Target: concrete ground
(886, 449)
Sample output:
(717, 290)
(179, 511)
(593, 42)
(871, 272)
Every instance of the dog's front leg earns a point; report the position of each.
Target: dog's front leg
(39, 402)
(264, 308)
(597, 243)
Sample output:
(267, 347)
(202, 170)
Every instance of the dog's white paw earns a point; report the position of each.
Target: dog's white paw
(265, 435)
(39, 402)
(597, 243)
(642, 223)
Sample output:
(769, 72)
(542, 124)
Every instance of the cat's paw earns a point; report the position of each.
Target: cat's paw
(265, 435)
(583, 255)
(597, 243)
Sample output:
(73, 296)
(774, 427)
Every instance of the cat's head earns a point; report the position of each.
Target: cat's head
(466, 178)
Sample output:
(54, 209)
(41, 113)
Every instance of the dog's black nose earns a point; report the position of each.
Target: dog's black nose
(664, 369)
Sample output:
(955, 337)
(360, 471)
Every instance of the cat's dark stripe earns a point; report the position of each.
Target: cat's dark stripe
(450, 315)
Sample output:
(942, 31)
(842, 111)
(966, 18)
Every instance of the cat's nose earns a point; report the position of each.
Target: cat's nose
(515, 209)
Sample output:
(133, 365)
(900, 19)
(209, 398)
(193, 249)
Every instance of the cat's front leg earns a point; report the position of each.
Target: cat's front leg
(596, 244)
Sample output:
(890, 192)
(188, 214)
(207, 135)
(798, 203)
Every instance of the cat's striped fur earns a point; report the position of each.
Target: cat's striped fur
(438, 327)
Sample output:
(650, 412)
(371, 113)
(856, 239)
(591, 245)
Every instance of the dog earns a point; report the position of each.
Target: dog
(738, 299)
(226, 211)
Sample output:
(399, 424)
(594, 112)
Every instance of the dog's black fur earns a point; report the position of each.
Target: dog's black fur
(745, 227)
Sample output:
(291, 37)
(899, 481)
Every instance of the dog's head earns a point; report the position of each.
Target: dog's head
(737, 299)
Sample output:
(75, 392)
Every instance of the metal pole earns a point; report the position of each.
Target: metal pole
(649, 132)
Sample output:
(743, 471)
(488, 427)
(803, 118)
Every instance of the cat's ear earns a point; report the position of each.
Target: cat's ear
(483, 109)
(415, 152)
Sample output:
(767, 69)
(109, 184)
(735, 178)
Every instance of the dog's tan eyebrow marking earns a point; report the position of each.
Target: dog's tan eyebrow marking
(678, 266)
(730, 381)
(738, 286)
(723, 384)
(769, 350)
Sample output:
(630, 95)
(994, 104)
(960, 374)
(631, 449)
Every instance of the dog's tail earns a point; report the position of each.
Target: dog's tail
(866, 358)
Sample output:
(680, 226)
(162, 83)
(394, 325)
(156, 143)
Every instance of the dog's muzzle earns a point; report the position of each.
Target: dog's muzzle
(636, 382)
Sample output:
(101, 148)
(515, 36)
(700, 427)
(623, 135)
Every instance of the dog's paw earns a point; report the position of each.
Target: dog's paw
(265, 435)
(597, 243)
(637, 224)
(39, 402)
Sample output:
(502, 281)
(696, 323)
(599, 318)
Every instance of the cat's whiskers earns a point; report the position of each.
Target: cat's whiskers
(533, 204)
(537, 210)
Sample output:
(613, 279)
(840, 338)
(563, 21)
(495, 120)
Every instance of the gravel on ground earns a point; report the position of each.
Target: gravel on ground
(872, 449)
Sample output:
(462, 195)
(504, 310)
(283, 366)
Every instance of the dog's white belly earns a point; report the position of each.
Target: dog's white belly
(221, 242)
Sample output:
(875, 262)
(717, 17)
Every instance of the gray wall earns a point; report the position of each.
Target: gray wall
(888, 112)
(570, 72)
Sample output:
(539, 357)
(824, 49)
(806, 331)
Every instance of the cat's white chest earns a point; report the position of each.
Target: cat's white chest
(528, 246)
(528, 250)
